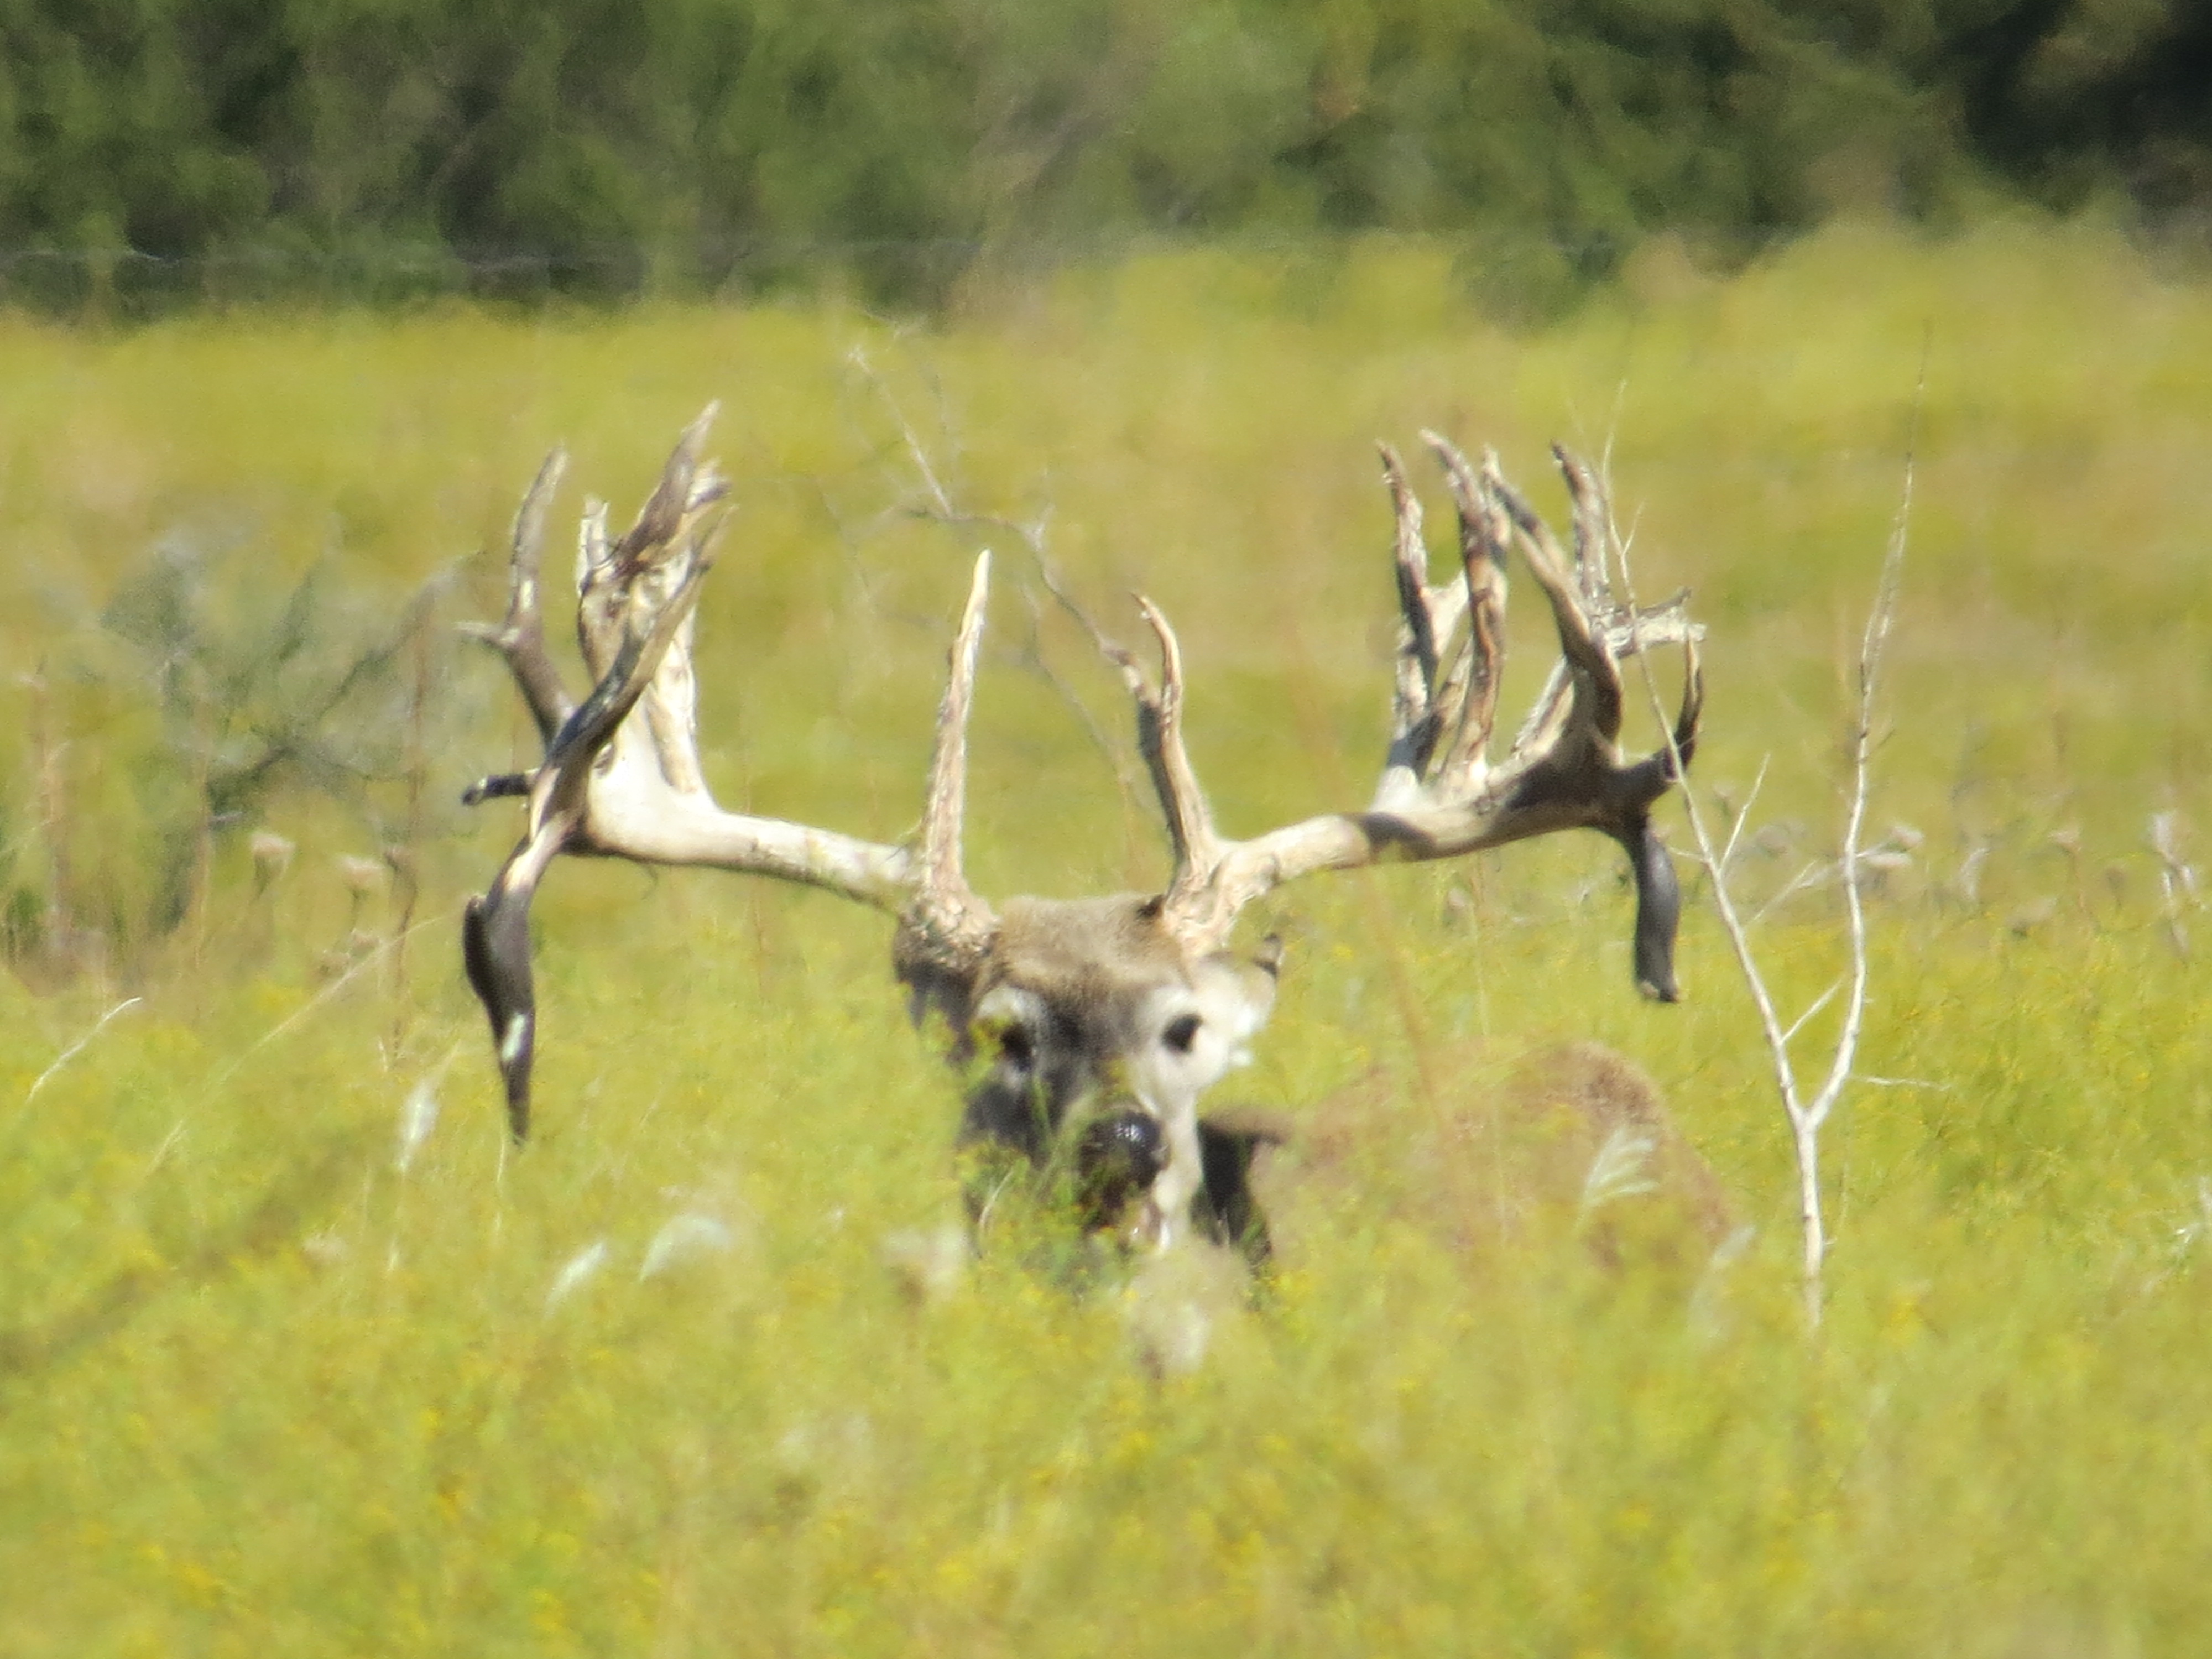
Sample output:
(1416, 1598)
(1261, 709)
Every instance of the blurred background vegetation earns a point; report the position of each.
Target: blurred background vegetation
(296, 1355)
(155, 153)
(295, 1358)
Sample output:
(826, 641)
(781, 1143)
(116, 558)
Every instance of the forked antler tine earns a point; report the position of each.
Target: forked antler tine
(495, 928)
(1597, 678)
(951, 919)
(560, 783)
(1196, 844)
(1482, 534)
(1160, 735)
(669, 527)
(683, 491)
(519, 637)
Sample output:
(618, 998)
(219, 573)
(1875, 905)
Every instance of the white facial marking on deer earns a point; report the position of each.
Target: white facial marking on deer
(1188, 1036)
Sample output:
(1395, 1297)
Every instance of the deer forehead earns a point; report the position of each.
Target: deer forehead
(1113, 942)
(1091, 962)
(1104, 975)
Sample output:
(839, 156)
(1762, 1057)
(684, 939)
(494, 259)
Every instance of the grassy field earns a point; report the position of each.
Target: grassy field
(295, 1358)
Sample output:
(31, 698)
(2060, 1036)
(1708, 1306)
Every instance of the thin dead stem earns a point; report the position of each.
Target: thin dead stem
(939, 503)
(2177, 879)
(1742, 816)
(77, 1048)
(1807, 1116)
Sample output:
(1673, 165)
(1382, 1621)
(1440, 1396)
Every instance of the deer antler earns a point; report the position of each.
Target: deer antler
(1440, 795)
(614, 787)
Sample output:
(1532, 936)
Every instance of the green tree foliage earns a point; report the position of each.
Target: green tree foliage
(369, 147)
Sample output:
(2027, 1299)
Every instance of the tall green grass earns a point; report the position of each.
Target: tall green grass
(264, 1389)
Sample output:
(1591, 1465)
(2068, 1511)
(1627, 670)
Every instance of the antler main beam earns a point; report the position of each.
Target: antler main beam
(621, 776)
(615, 787)
(1440, 794)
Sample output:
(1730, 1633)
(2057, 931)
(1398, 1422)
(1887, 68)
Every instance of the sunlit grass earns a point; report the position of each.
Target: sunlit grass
(262, 1389)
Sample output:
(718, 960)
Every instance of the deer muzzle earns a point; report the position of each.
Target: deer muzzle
(1117, 1159)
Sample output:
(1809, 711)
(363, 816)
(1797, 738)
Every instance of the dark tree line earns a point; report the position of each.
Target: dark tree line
(154, 151)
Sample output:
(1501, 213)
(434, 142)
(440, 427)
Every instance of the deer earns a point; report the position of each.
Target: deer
(1572, 1142)
(1091, 1027)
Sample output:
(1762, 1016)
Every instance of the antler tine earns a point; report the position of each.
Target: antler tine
(618, 787)
(1593, 558)
(683, 491)
(1482, 533)
(1597, 695)
(1424, 690)
(638, 660)
(1160, 735)
(519, 637)
(1413, 716)
(615, 582)
(1564, 770)
(1692, 713)
(1651, 777)
(496, 953)
(1197, 845)
(594, 553)
(495, 928)
(1664, 623)
(1593, 521)
(950, 926)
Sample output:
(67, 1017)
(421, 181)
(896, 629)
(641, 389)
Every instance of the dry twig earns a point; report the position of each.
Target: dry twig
(1808, 1114)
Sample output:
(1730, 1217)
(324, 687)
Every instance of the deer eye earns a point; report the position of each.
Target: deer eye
(1181, 1032)
(1014, 1045)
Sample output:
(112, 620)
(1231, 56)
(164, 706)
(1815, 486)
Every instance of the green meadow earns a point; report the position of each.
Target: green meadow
(298, 1356)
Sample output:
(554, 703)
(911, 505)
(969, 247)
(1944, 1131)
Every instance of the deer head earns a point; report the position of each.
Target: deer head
(1092, 1027)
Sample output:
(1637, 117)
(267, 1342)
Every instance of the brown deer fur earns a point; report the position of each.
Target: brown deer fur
(1517, 1160)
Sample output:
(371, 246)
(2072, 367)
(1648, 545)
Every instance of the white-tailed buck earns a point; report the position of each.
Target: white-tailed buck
(1094, 1024)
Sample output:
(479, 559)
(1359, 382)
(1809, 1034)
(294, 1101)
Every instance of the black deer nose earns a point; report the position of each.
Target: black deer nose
(1117, 1162)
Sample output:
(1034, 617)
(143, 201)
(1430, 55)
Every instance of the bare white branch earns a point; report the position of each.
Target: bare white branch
(1879, 620)
(1819, 1003)
(916, 450)
(1806, 1117)
(1743, 814)
(938, 504)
